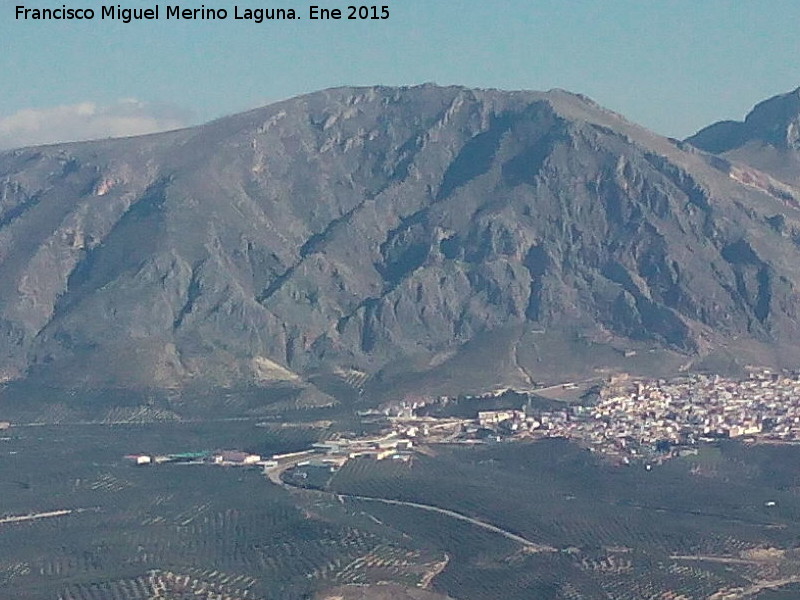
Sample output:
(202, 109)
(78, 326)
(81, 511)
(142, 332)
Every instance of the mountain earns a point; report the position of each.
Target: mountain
(484, 236)
(768, 139)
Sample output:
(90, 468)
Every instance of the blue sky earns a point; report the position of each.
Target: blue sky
(671, 65)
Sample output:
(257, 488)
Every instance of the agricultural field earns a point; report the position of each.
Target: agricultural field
(79, 523)
(505, 520)
(377, 592)
(723, 520)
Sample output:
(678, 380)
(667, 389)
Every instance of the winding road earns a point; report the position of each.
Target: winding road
(532, 546)
(275, 475)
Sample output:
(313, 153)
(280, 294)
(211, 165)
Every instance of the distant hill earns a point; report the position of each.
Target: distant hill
(464, 238)
(768, 139)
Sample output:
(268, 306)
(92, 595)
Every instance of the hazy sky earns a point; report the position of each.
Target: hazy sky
(672, 65)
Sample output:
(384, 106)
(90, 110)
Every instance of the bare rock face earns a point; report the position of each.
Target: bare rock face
(361, 228)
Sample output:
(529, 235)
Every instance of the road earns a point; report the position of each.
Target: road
(275, 476)
(532, 546)
(275, 473)
(42, 515)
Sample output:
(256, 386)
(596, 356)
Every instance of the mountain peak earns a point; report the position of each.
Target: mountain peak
(774, 122)
(767, 140)
(382, 228)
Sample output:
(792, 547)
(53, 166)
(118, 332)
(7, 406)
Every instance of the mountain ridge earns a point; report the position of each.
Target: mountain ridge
(768, 139)
(367, 228)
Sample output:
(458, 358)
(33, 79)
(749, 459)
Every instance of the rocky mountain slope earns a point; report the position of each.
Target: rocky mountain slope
(768, 139)
(364, 230)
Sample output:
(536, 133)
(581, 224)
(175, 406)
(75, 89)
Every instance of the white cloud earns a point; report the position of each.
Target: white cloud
(88, 121)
